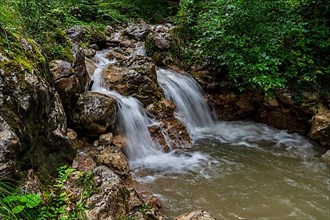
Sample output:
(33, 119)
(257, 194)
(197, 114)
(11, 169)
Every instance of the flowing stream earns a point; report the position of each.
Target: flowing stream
(235, 170)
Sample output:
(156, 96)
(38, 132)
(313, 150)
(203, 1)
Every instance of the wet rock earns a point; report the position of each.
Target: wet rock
(137, 78)
(89, 52)
(326, 157)
(118, 55)
(80, 68)
(138, 31)
(114, 160)
(94, 113)
(195, 215)
(245, 104)
(271, 101)
(162, 109)
(119, 141)
(90, 67)
(321, 127)
(31, 110)
(161, 41)
(106, 139)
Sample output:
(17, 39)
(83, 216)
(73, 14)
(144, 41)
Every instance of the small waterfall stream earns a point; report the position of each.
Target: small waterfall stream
(244, 171)
(142, 150)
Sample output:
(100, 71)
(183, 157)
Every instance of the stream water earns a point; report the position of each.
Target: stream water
(235, 170)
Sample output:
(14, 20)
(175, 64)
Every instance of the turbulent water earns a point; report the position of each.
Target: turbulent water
(142, 151)
(236, 170)
(254, 171)
(185, 92)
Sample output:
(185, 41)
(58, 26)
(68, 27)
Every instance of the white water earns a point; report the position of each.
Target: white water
(184, 91)
(193, 110)
(142, 151)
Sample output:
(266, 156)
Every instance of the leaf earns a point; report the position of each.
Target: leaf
(18, 209)
(10, 199)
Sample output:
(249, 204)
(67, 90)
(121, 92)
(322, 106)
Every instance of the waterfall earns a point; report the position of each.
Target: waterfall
(185, 92)
(141, 149)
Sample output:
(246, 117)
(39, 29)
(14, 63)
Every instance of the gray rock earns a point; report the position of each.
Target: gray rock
(94, 113)
(137, 31)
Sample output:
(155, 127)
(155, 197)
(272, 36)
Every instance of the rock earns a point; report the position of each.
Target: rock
(76, 33)
(90, 67)
(136, 78)
(161, 41)
(60, 68)
(33, 121)
(9, 143)
(137, 31)
(111, 201)
(119, 141)
(106, 139)
(89, 53)
(321, 127)
(94, 113)
(326, 156)
(118, 55)
(162, 109)
(114, 160)
(285, 96)
(195, 215)
(245, 104)
(80, 68)
(72, 135)
(83, 163)
(31, 183)
(271, 101)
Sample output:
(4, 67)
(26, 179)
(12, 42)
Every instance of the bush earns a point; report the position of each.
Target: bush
(263, 43)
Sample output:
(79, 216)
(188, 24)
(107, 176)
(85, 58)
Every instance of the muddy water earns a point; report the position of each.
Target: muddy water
(241, 182)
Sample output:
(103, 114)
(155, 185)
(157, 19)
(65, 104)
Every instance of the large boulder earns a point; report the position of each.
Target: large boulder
(136, 77)
(94, 113)
(32, 119)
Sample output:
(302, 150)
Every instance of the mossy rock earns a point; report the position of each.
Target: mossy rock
(31, 107)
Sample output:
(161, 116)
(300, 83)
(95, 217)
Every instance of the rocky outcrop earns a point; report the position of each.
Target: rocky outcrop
(32, 120)
(136, 77)
(196, 215)
(94, 113)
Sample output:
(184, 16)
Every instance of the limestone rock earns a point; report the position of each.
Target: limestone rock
(90, 67)
(106, 139)
(83, 163)
(80, 68)
(89, 52)
(285, 96)
(33, 121)
(195, 215)
(162, 109)
(115, 160)
(31, 184)
(119, 141)
(112, 199)
(94, 113)
(137, 78)
(321, 127)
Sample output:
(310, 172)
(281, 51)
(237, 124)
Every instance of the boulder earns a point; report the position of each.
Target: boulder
(113, 199)
(326, 156)
(94, 113)
(32, 119)
(114, 160)
(196, 215)
(321, 127)
(137, 78)
(137, 31)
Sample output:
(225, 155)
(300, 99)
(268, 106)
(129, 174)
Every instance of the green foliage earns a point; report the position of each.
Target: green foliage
(56, 202)
(264, 44)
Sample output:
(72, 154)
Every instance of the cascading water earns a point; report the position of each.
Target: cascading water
(142, 150)
(193, 110)
(184, 91)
